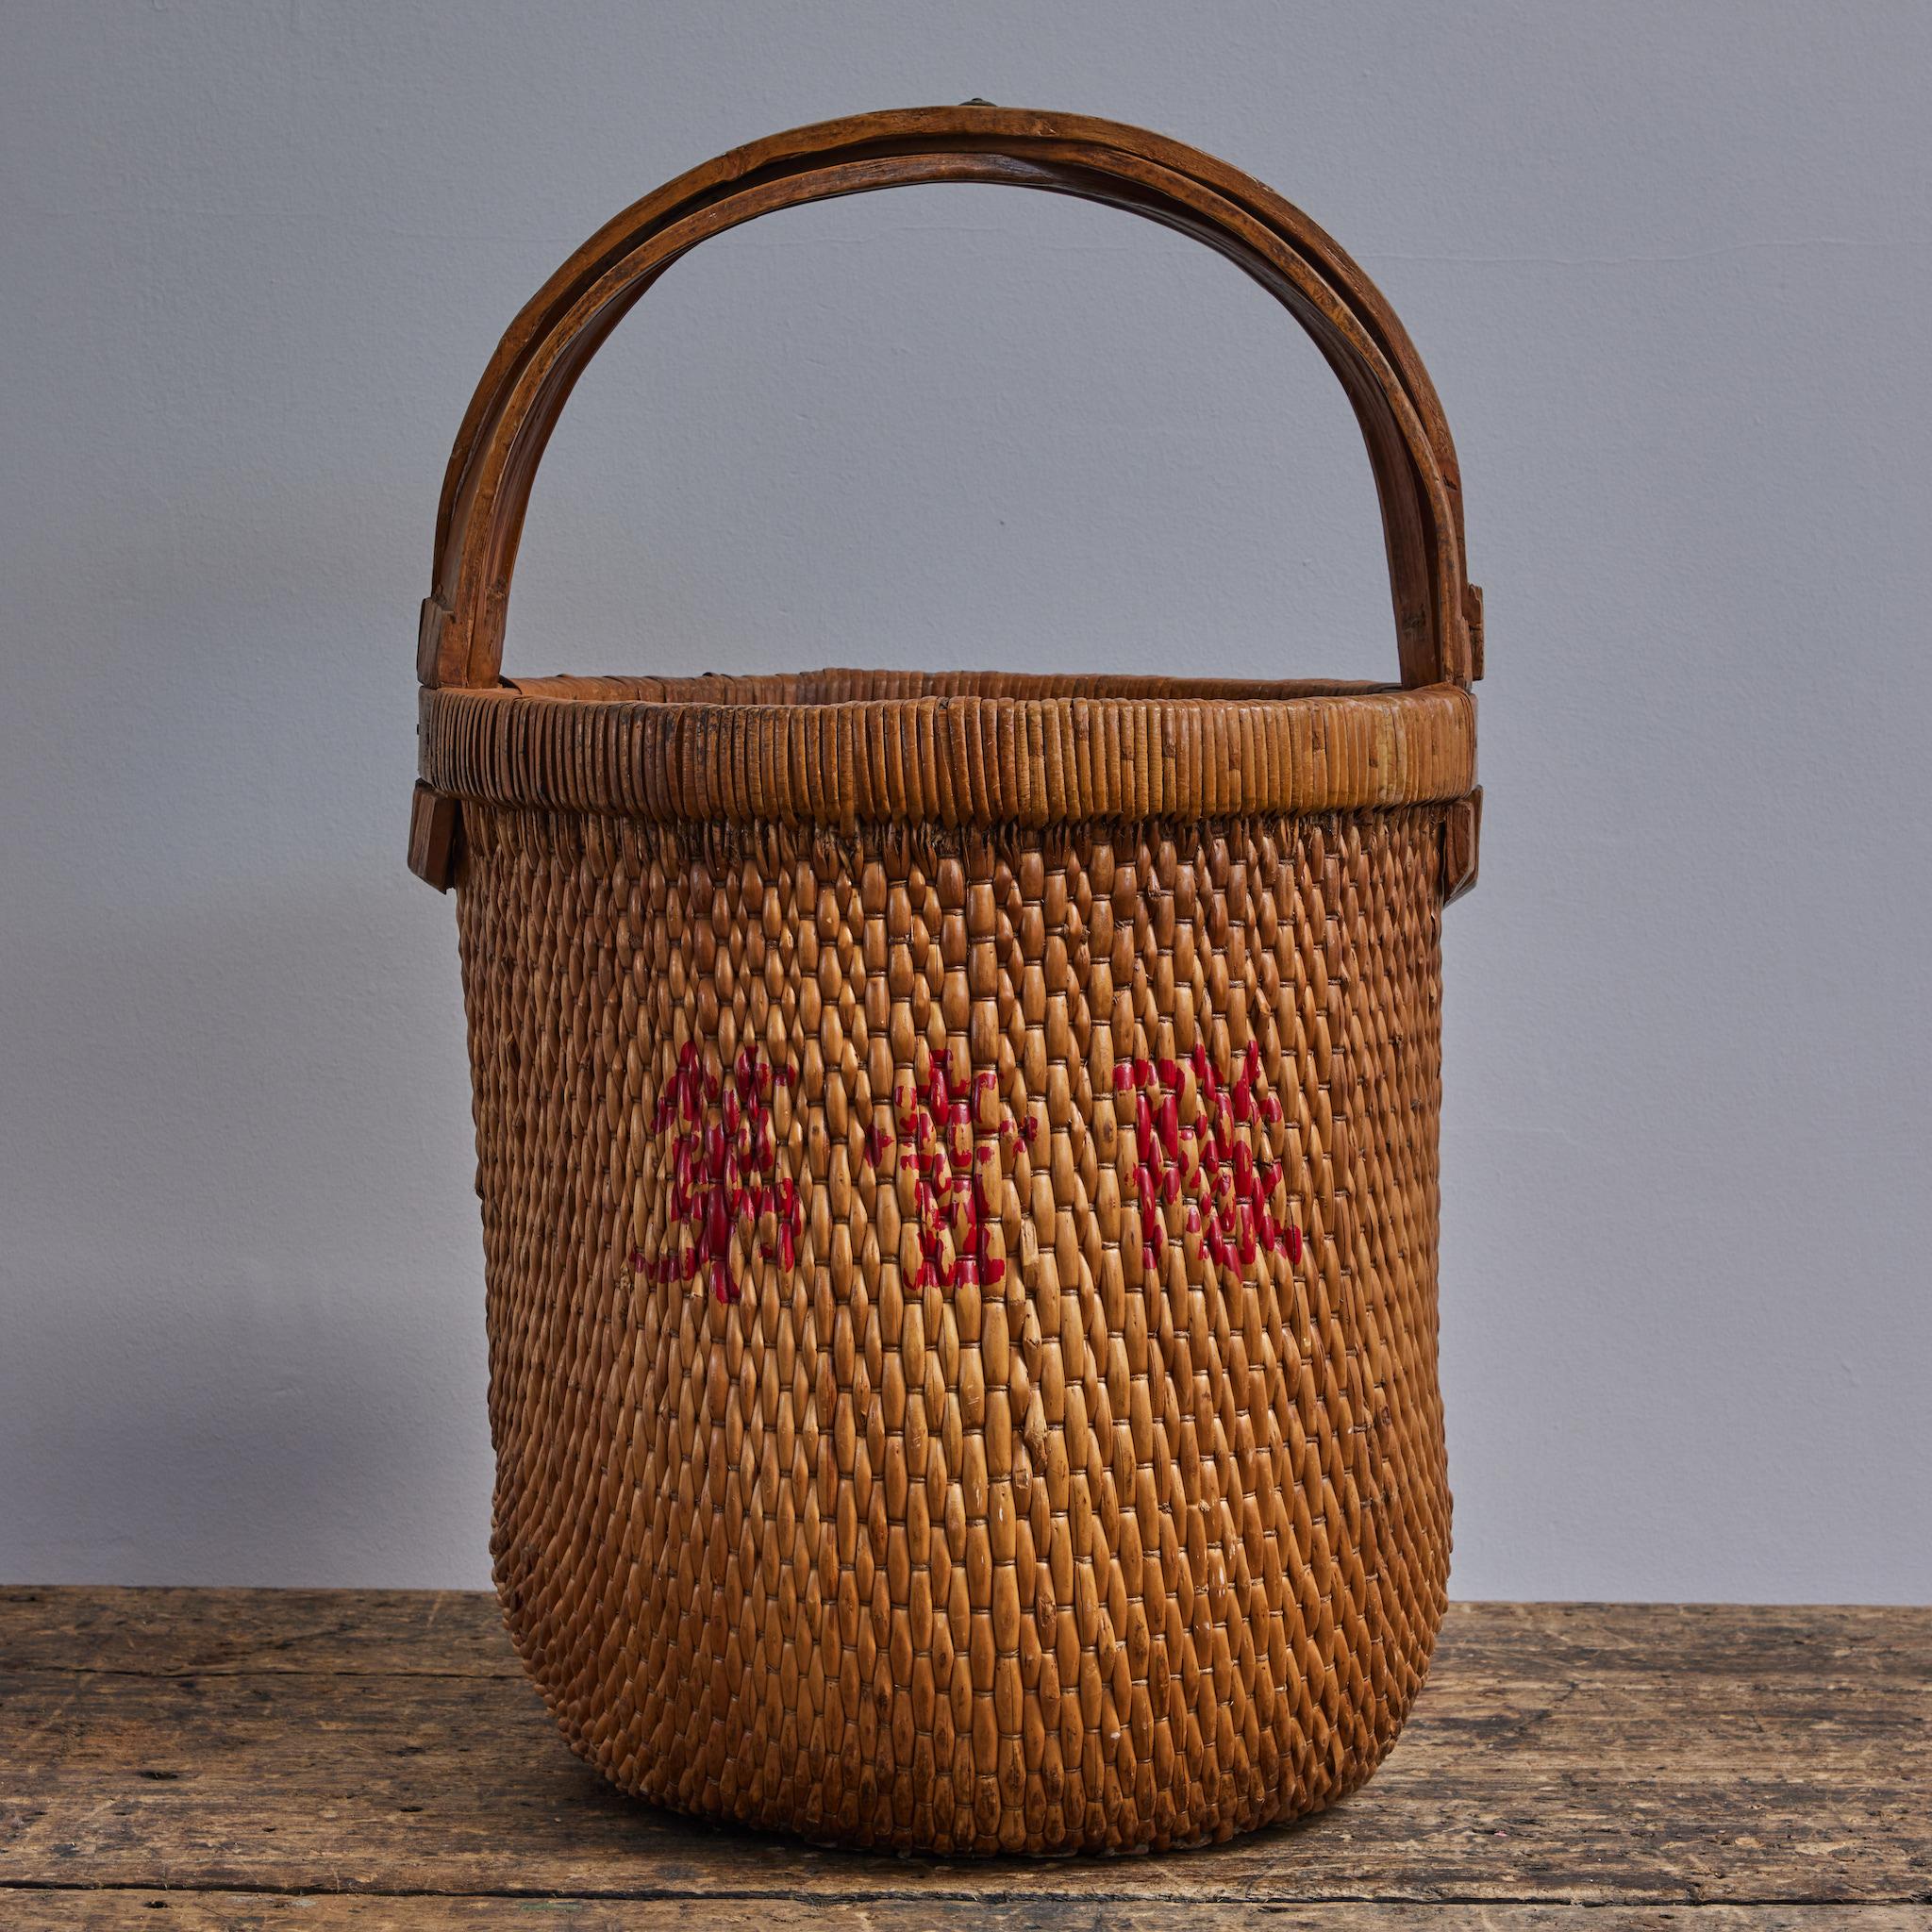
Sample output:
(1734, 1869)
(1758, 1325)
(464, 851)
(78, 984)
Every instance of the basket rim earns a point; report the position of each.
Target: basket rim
(835, 685)
(952, 748)
(958, 758)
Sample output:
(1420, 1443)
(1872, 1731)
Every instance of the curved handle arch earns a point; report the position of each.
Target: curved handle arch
(516, 406)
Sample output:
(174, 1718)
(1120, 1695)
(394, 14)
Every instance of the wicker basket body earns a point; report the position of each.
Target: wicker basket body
(958, 1168)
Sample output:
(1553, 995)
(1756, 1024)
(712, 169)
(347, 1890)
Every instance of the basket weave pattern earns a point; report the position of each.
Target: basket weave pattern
(1127, 1546)
(958, 1152)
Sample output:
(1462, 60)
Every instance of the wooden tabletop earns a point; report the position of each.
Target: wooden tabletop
(326, 1760)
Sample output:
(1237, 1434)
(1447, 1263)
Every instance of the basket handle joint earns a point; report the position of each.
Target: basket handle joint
(433, 826)
(1473, 624)
(432, 628)
(1462, 827)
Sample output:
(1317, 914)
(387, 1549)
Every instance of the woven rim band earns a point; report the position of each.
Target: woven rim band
(845, 748)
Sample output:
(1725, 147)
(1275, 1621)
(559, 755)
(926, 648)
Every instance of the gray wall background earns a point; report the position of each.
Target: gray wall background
(1669, 266)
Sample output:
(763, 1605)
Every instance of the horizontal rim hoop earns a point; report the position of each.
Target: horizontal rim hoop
(953, 752)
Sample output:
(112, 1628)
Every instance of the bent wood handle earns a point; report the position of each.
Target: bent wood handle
(523, 391)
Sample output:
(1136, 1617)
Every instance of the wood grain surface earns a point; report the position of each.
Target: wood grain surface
(364, 1758)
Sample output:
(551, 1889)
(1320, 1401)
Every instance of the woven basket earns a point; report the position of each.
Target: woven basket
(959, 1154)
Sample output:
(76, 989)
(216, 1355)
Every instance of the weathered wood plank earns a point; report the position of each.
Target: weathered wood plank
(1560, 1754)
(444, 1633)
(210, 1632)
(140, 1911)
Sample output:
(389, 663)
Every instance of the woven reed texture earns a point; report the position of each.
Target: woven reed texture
(962, 1308)
(957, 1152)
(845, 748)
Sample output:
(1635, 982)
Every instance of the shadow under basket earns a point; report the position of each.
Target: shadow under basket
(959, 1154)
